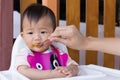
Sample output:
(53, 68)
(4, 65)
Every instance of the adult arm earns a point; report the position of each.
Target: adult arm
(71, 37)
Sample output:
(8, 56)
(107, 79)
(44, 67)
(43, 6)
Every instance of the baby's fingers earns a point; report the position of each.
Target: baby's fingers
(69, 75)
(67, 72)
(59, 69)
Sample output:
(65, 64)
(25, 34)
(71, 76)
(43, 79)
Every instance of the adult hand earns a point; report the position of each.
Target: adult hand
(69, 35)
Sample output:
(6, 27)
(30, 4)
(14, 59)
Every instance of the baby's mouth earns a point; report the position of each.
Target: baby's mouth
(44, 43)
(37, 45)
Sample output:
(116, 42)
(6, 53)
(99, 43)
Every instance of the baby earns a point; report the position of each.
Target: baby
(42, 60)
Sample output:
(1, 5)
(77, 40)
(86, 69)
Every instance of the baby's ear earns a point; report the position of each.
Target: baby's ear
(21, 34)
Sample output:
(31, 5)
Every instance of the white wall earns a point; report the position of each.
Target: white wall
(16, 24)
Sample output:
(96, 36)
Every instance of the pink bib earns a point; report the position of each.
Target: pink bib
(47, 61)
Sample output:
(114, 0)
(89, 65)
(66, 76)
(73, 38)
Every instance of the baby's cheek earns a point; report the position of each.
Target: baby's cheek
(30, 46)
(44, 37)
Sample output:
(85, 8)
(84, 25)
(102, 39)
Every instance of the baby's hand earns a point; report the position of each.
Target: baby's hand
(69, 71)
(56, 74)
(65, 70)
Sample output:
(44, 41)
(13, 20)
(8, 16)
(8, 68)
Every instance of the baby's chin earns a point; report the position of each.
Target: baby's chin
(41, 49)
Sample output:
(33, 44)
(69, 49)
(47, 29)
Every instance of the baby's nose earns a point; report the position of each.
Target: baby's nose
(37, 37)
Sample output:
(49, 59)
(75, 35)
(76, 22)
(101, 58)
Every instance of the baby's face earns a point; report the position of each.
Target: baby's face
(36, 33)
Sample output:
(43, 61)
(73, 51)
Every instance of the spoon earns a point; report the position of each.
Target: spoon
(46, 42)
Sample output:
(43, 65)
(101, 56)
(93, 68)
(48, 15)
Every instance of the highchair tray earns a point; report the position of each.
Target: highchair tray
(86, 72)
(94, 72)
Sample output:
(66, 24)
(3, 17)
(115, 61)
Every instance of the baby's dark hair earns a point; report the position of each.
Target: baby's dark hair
(36, 11)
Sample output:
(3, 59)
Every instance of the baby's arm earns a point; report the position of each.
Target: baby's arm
(35, 74)
(71, 70)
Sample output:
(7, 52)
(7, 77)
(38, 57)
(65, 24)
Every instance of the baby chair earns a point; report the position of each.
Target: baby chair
(13, 74)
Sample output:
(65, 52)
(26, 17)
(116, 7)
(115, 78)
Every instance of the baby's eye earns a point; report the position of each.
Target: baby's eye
(43, 32)
(30, 32)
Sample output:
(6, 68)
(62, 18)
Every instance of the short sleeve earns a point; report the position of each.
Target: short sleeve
(21, 58)
(71, 61)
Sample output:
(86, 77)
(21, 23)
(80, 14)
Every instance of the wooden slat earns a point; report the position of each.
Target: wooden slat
(54, 6)
(73, 17)
(6, 33)
(25, 3)
(1, 60)
(109, 28)
(91, 27)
